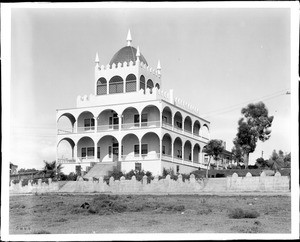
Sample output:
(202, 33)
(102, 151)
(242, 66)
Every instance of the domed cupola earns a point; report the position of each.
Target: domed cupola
(127, 53)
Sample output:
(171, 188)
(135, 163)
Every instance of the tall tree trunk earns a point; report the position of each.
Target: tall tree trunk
(246, 160)
(207, 167)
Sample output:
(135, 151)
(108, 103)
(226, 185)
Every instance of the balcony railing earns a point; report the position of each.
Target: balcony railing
(129, 126)
(107, 127)
(85, 129)
(65, 131)
(66, 160)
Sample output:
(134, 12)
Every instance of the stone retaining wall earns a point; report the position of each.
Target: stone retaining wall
(263, 183)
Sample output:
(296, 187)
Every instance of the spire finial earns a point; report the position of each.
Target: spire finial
(158, 65)
(97, 58)
(158, 68)
(129, 39)
(138, 54)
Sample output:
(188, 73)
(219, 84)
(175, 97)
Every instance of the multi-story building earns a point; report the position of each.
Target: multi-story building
(131, 121)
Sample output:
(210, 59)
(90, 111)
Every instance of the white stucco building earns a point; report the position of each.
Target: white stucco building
(130, 122)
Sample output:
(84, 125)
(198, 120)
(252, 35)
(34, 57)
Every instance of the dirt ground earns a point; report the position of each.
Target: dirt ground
(98, 213)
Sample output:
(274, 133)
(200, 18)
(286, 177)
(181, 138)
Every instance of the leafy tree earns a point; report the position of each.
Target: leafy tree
(276, 160)
(261, 163)
(27, 170)
(52, 169)
(213, 149)
(237, 154)
(287, 160)
(254, 126)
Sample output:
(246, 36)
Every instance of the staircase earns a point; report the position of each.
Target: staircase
(102, 169)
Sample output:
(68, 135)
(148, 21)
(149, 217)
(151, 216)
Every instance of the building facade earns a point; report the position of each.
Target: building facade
(131, 121)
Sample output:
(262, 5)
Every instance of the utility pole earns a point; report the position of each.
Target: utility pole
(262, 154)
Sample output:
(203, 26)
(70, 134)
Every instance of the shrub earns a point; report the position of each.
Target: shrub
(239, 213)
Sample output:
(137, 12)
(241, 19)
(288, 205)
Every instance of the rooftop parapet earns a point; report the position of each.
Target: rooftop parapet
(140, 96)
(126, 65)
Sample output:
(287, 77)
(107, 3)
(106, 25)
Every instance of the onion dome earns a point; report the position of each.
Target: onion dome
(127, 53)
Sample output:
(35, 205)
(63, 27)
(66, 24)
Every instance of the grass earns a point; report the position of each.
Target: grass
(239, 213)
(41, 232)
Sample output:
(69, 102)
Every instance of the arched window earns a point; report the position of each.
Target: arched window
(101, 86)
(116, 85)
(130, 83)
(157, 86)
(142, 83)
(150, 85)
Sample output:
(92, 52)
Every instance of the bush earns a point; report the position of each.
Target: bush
(239, 213)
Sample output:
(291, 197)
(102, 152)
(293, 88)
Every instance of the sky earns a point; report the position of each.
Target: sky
(217, 59)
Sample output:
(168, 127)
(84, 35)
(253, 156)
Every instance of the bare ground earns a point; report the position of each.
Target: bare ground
(63, 214)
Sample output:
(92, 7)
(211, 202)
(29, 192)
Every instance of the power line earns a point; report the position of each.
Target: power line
(238, 106)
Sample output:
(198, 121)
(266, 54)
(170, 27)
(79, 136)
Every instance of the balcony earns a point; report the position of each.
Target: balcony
(143, 157)
(130, 126)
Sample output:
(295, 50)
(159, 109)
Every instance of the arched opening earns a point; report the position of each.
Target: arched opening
(157, 86)
(167, 117)
(86, 122)
(142, 83)
(177, 148)
(205, 131)
(167, 145)
(150, 146)
(178, 120)
(101, 86)
(86, 149)
(116, 85)
(66, 124)
(130, 147)
(196, 153)
(131, 83)
(150, 117)
(188, 151)
(108, 120)
(65, 151)
(150, 85)
(188, 124)
(108, 149)
(196, 129)
(130, 118)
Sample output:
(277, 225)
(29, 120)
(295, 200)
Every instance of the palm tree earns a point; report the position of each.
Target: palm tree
(52, 169)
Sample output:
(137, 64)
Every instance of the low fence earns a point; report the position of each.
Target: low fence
(31, 187)
(276, 183)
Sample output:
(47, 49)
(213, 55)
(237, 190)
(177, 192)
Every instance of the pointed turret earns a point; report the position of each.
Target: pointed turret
(158, 68)
(138, 54)
(97, 59)
(129, 39)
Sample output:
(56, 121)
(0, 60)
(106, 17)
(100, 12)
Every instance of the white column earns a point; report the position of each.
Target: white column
(75, 127)
(140, 120)
(120, 151)
(172, 151)
(75, 153)
(120, 121)
(182, 154)
(96, 124)
(192, 155)
(160, 149)
(140, 149)
(95, 152)
(173, 123)
(160, 119)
